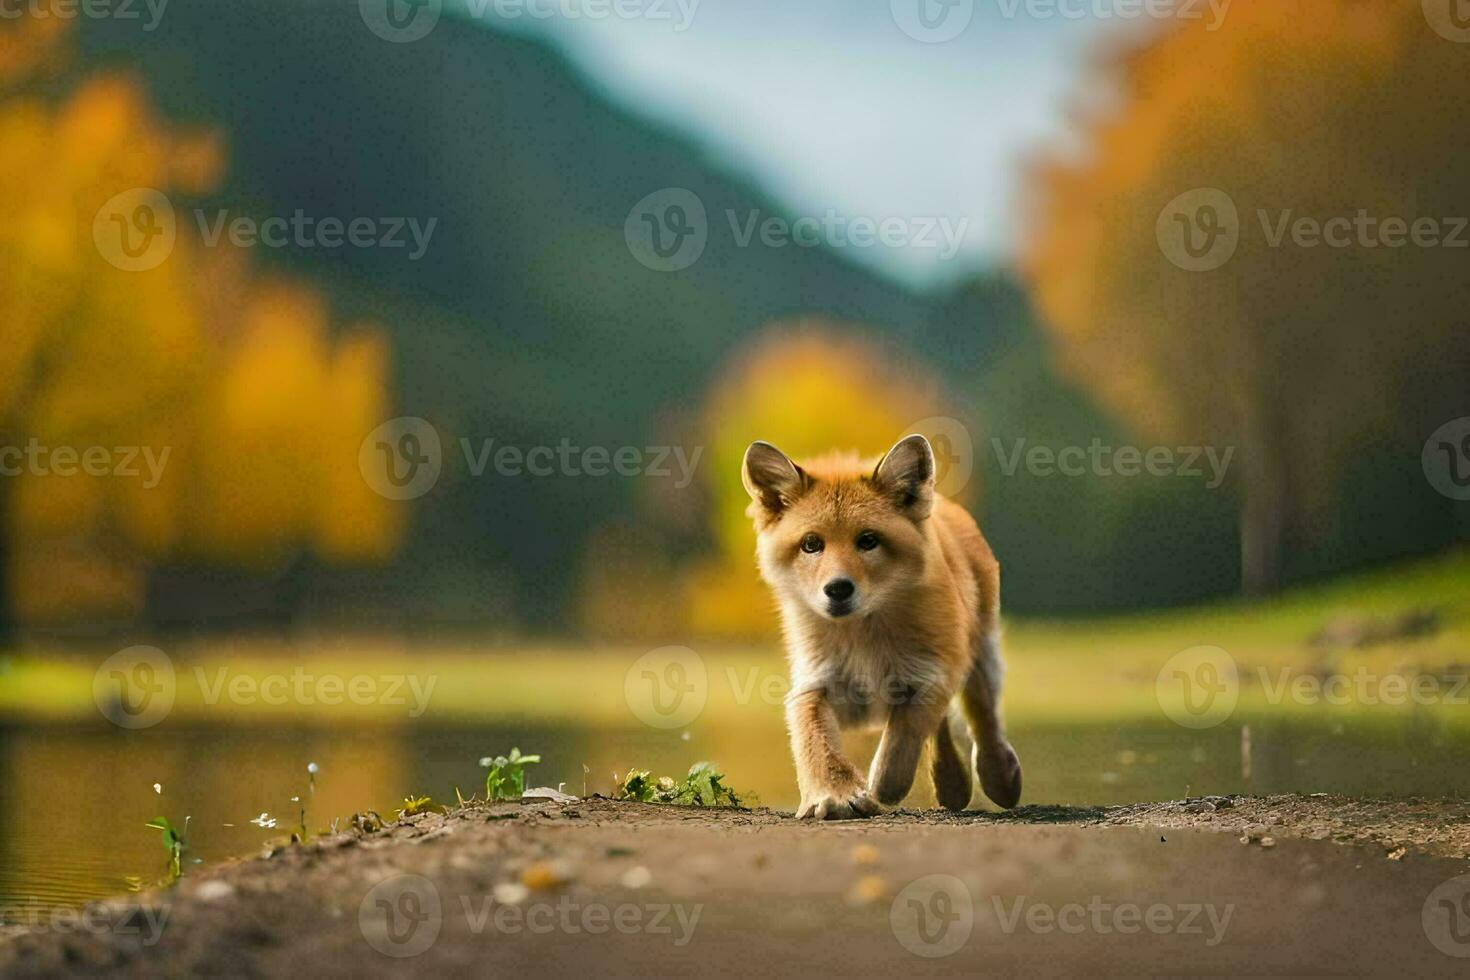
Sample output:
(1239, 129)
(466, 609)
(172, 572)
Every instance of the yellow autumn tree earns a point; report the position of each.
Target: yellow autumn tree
(808, 387)
(1175, 263)
(230, 398)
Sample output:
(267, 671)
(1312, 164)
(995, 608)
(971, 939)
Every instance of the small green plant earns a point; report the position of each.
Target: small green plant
(704, 785)
(174, 843)
(414, 805)
(506, 779)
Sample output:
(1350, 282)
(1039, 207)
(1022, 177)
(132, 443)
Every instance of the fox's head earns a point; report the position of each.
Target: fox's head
(840, 536)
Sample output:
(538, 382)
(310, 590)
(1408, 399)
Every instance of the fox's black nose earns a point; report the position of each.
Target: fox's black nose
(839, 589)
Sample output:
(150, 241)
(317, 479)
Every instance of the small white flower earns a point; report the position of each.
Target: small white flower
(158, 788)
(312, 768)
(265, 820)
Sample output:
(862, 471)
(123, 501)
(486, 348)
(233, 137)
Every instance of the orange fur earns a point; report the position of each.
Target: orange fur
(919, 629)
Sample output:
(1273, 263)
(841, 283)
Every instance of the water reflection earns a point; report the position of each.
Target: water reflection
(73, 801)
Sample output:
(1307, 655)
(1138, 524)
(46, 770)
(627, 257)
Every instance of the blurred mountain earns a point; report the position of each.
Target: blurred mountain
(528, 320)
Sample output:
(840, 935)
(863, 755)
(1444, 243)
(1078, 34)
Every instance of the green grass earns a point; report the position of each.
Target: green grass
(1058, 670)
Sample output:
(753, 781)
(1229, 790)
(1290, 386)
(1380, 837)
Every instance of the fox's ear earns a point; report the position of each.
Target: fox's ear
(906, 474)
(772, 479)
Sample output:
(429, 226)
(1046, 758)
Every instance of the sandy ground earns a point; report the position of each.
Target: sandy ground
(1321, 885)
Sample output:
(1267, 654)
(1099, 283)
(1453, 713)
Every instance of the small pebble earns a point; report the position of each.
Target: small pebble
(867, 890)
(511, 893)
(637, 877)
(214, 891)
(543, 876)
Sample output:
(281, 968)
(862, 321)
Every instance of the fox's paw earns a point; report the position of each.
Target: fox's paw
(839, 806)
(1000, 776)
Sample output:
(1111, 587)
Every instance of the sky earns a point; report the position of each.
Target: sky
(832, 105)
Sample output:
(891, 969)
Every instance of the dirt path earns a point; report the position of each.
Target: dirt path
(623, 889)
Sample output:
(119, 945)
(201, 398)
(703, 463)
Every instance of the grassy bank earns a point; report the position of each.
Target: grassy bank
(1082, 670)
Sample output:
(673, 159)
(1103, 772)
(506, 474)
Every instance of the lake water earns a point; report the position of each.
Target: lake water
(74, 798)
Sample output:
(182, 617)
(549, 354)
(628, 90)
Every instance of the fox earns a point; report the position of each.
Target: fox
(889, 602)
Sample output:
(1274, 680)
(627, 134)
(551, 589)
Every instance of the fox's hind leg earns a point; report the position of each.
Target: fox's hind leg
(948, 769)
(995, 761)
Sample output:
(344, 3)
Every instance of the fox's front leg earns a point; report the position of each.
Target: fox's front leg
(831, 787)
(910, 724)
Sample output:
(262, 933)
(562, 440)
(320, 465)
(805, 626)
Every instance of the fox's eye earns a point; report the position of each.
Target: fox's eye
(867, 541)
(811, 544)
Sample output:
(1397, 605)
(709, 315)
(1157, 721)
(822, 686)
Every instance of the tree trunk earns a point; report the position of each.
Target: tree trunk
(1263, 512)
